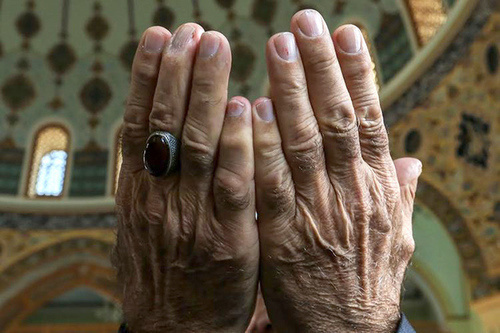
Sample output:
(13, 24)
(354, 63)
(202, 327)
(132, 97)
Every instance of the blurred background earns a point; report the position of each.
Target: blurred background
(64, 74)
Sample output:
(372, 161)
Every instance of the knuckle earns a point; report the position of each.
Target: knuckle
(173, 62)
(270, 157)
(341, 116)
(367, 103)
(236, 145)
(161, 116)
(360, 70)
(231, 190)
(307, 154)
(322, 63)
(144, 73)
(197, 155)
(374, 124)
(375, 145)
(277, 194)
(204, 94)
(292, 88)
(132, 130)
(203, 85)
(374, 137)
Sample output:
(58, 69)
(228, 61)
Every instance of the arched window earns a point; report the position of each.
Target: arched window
(427, 17)
(48, 162)
(118, 159)
(372, 50)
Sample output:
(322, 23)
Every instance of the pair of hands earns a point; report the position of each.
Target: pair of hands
(333, 236)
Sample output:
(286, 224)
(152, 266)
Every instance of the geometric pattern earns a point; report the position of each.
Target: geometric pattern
(457, 142)
(95, 95)
(18, 92)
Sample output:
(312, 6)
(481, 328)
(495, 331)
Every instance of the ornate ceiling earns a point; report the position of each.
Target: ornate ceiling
(455, 132)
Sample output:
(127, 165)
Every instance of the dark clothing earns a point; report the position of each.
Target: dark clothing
(404, 326)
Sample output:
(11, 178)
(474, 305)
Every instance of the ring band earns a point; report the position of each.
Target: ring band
(161, 155)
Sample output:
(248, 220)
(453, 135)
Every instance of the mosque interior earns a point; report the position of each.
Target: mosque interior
(64, 74)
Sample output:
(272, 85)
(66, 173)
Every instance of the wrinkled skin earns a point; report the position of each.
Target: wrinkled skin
(333, 236)
(334, 222)
(187, 245)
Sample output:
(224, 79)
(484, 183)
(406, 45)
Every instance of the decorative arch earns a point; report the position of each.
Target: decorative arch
(437, 269)
(51, 270)
(427, 16)
(472, 261)
(437, 265)
(43, 290)
(48, 167)
(45, 247)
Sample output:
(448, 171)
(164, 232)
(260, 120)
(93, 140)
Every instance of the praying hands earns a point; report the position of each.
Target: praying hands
(333, 234)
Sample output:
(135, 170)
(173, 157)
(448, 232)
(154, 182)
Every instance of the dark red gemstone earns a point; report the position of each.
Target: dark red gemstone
(157, 155)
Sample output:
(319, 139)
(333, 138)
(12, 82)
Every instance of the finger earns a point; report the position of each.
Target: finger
(273, 179)
(328, 93)
(233, 180)
(302, 141)
(174, 81)
(408, 170)
(143, 83)
(207, 107)
(357, 68)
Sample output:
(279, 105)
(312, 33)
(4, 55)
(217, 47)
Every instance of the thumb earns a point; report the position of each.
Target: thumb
(408, 170)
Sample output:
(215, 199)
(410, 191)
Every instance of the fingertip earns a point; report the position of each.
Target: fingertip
(308, 23)
(263, 109)
(198, 29)
(242, 100)
(408, 170)
(214, 45)
(157, 29)
(238, 107)
(348, 39)
(154, 39)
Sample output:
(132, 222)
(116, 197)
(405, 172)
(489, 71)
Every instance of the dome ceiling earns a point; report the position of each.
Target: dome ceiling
(70, 59)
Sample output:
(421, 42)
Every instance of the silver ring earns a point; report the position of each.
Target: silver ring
(161, 155)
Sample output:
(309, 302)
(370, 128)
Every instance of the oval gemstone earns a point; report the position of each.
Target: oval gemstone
(157, 155)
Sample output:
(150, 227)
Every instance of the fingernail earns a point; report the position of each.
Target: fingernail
(265, 110)
(349, 39)
(235, 108)
(286, 46)
(209, 45)
(310, 23)
(154, 42)
(182, 37)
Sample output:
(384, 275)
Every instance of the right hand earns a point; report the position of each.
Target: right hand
(187, 247)
(334, 213)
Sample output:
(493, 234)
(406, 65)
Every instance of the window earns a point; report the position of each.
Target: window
(427, 17)
(372, 53)
(118, 158)
(48, 162)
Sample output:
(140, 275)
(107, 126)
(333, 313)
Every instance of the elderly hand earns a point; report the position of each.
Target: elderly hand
(334, 223)
(187, 247)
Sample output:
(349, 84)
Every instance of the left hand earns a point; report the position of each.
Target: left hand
(334, 222)
(187, 247)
